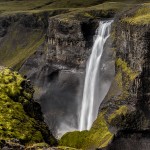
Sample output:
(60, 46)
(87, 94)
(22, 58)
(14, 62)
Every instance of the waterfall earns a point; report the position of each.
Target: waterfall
(91, 94)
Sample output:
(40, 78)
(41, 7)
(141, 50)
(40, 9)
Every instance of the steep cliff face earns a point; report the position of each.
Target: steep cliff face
(123, 119)
(130, 88)
(57, 69)
(69, 41)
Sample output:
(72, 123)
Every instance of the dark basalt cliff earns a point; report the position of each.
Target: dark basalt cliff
(124, 114)
(57, 68)
(69, 41)
(130, 88)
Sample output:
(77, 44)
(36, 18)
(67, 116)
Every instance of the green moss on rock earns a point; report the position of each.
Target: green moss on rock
(100, 133)
(140, 17)
(74, 139)
(98, 137)
(125, 69)
(124, 77)
(14, 121)
(121, 111)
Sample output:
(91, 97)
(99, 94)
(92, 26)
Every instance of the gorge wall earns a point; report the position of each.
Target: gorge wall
(52, 54)
(57, 70)
(130, 88)
(51, 48)
(123, 120)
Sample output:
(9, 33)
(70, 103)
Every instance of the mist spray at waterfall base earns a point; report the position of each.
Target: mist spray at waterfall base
(94, 88)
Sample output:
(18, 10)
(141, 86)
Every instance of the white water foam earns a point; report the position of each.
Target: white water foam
(91, 94)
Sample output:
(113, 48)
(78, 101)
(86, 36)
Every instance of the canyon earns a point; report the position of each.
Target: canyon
(51, 48)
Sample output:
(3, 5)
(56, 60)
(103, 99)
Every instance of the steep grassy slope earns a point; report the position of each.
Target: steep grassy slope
(21, 35)
(140, 17)
(18, 45)
(38, 4)
(26, 5)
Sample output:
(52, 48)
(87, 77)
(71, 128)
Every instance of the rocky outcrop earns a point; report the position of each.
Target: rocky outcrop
(69, 41)
(21, 118)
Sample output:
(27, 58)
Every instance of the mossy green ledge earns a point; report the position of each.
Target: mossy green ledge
(112, 117)
(20, 116)
(99, 136)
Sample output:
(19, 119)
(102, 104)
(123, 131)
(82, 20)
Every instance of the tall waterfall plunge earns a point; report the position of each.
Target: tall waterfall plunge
(91, 94)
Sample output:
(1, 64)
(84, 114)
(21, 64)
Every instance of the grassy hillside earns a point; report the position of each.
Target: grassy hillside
(23, 35)
(26, 5)
(17, 47)
(140, 17)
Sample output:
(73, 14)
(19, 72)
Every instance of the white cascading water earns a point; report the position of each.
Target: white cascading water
(91, 94)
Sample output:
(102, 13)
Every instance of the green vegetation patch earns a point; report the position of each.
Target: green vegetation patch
(141, 16)
(74, 139)
(16, 5)
(14, 122)
(25, 5)
(104, 10)
(124, 77)
(74, 6)
(121, 111)
(123, 66)
(18, 45)
(99, 136)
